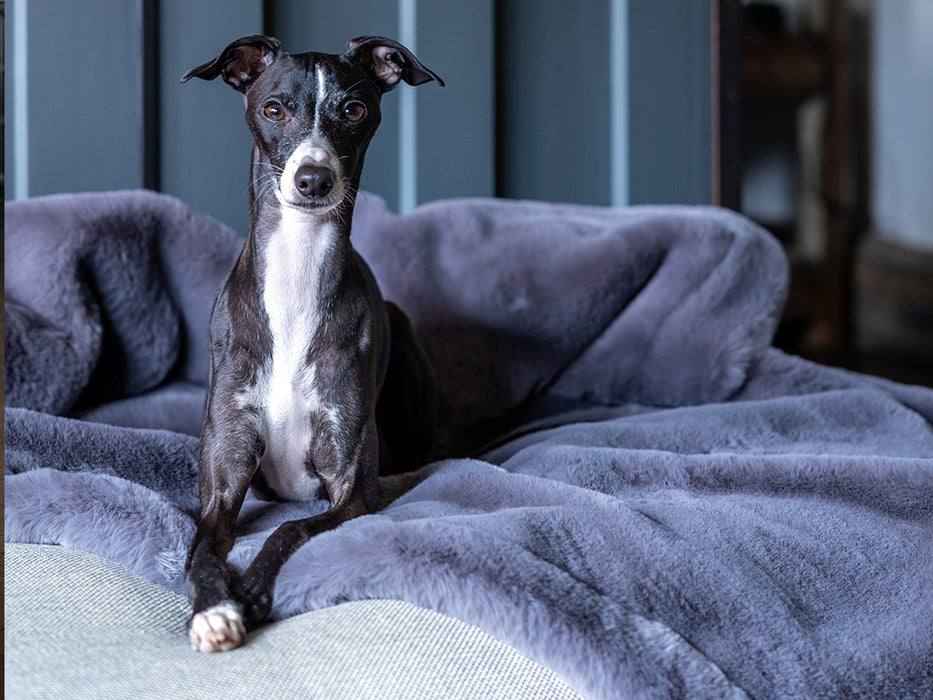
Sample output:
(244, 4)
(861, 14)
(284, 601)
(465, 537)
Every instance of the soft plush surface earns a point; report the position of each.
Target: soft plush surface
(659, 503)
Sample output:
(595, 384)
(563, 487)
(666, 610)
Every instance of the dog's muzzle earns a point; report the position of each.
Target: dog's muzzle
(311, 179)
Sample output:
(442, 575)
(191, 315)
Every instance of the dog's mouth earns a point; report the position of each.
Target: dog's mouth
(316, 205)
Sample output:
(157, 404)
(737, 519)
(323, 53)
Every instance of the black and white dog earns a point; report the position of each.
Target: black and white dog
(306, 356)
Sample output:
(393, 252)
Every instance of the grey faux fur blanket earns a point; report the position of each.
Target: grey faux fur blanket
(656, 503)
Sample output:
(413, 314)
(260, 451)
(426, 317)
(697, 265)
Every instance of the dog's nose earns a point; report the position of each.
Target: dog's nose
(313, 180)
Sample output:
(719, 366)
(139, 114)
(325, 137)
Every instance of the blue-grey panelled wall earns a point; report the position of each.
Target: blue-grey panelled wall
(598, 101)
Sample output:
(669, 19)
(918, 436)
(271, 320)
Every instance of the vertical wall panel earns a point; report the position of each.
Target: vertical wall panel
(205, 144)
(456, 124)
(902, 106)
(408, 113)
(670, 124)
(15, 98)
(619, 102)
(554, 101)
(83, 69)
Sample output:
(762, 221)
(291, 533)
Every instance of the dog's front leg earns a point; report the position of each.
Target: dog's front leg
(228, 460)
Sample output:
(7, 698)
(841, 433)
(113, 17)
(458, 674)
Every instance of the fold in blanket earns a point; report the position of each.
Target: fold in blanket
(676, 510)
(662, 306)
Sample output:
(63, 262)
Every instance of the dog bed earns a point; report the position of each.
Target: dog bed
(634, 490)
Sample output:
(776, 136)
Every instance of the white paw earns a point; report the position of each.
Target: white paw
(219, 628)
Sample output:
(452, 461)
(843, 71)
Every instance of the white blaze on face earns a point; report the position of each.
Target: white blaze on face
(321, 83)
(315, 150)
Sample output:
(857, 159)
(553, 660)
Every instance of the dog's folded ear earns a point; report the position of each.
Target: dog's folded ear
(388, 62)
(240, 63)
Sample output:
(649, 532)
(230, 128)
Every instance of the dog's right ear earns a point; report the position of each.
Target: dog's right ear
(240, 63)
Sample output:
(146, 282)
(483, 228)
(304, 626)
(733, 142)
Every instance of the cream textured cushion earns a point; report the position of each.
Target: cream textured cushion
(79, 626)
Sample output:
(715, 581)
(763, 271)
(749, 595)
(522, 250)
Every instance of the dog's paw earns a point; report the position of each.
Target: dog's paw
(219, 628)
(256, 610)
(255, 593)
(257, 603)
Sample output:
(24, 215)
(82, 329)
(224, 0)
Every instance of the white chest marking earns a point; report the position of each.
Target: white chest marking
(294, 256)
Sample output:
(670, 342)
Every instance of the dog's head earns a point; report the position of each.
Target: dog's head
(312, 115)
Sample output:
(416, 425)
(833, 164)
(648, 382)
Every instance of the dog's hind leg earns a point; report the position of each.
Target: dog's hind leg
(406, 411)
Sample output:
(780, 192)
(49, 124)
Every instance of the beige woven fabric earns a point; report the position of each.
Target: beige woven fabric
(79, 626)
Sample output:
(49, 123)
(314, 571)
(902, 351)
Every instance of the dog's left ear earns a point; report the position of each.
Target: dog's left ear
(388, 62)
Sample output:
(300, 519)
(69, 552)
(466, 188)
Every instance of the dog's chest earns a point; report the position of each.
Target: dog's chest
(291, 299)
(288, 391)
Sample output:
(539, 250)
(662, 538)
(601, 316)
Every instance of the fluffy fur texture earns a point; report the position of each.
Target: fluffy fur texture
(678, 510)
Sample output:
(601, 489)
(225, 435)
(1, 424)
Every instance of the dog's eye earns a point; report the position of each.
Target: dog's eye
(354, 111)
(274, 111)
